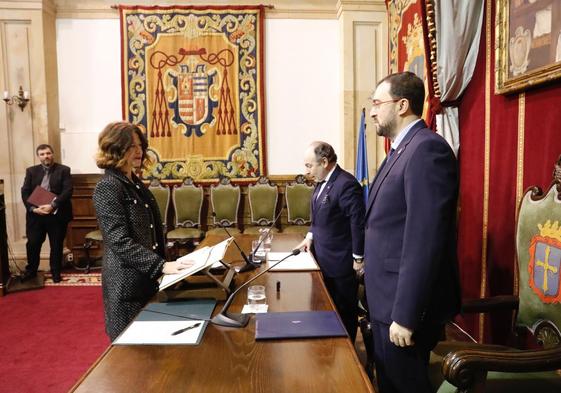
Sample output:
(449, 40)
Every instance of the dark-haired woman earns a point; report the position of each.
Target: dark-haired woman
(131, 226)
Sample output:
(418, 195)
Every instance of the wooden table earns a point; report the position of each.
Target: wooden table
(229, 359)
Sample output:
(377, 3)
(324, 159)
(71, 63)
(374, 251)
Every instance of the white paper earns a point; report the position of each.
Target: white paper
(160, 332)
(302, 261)
(255, 308)
(203, 257)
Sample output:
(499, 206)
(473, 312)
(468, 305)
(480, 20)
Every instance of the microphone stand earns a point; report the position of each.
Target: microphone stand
(223, 318)
(245, 258)
(250, 265)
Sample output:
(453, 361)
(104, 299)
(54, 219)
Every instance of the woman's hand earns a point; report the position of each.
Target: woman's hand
(177, 266)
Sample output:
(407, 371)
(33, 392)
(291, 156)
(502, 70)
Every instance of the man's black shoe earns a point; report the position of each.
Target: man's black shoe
(27, 275)
(57, 278)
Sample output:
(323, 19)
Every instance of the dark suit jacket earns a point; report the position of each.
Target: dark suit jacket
(338, 224)
(60, 183)
(411, 271)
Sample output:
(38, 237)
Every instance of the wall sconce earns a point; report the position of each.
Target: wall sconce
(21, 99)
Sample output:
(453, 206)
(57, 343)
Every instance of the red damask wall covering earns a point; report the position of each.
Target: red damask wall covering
(508, 143)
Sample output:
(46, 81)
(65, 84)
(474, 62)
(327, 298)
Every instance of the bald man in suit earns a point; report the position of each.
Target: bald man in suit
(336, 236)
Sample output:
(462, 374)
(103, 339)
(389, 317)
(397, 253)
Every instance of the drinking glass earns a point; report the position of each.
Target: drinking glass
(256, 295)
(259, 254)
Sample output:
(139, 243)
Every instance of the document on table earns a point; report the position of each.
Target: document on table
(203, 258)
(300, 262)
(162, 332)
(157, 323)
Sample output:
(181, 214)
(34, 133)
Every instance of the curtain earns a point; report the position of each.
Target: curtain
(458, 31)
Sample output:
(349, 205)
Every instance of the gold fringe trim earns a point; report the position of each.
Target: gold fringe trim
(483, 288)
(431, 33)
(519, 173)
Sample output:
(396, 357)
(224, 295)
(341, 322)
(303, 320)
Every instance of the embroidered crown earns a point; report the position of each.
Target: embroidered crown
(551, 230)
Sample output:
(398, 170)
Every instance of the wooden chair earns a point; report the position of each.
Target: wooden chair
(188, 202)
(473, 367)
(225, 202)
(91, 238)
(298, 195)
(263, 198)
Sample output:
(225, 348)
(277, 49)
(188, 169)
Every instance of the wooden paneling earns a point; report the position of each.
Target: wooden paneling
(84, 214)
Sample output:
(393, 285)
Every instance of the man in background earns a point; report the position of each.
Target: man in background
(411, 271)
(336, 236)
(47, 219)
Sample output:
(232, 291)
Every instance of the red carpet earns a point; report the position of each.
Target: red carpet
(49, 337)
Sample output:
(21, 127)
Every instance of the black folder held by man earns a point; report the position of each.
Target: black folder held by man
(40, 197)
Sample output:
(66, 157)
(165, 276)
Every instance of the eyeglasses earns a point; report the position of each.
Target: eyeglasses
(377, 103)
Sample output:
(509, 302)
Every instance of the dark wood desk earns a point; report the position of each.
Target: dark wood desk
(230, 360)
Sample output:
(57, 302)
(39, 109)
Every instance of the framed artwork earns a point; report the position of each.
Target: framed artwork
(527, 44)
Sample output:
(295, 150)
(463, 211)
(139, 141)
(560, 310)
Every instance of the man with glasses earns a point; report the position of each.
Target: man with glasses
(411, 272)
(336, 236)
(49, 218)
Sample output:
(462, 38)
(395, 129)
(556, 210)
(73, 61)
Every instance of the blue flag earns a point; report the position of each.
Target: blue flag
(361, 169)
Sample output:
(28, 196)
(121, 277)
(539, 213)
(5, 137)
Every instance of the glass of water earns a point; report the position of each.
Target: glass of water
(267, 241)
(259, 252)
(256, 296)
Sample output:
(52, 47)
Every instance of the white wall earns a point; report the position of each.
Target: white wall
(302, 69)
(303, 88)
(89, 63)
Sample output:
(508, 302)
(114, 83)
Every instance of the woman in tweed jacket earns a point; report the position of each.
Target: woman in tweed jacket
(131, 226)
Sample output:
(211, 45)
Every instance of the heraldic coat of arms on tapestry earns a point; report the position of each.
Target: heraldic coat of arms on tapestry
(192, 80)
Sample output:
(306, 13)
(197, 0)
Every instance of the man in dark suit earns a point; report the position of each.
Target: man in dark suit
(336, 236)
(51, 219)
(411, 272)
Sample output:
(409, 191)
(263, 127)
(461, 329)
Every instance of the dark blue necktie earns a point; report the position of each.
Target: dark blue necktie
(316, 192)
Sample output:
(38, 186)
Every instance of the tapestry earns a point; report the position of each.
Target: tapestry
(193, 81)
(409, 48)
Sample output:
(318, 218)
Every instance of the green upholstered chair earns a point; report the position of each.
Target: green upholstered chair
(162, 195)
(472, 367)
(225, 202)
(298, 195)
(263, 198)
(188, 202)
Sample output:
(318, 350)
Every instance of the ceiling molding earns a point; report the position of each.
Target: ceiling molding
(286, 9)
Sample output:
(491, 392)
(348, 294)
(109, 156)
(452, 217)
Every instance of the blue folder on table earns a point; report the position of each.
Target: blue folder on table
(179, 310)
(298, 324)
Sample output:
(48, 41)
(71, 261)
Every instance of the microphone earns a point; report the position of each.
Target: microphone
(223, 318)
(252, 265)
(244, 256)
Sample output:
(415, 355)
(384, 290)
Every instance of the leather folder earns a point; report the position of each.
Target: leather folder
(298, 324)
(40, 196)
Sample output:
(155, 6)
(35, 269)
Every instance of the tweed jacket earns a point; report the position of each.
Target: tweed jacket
(133, 240)
(61, 185)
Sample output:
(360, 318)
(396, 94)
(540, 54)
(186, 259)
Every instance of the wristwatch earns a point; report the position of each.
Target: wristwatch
(359, 260)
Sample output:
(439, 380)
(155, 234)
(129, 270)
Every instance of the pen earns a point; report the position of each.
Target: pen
(196, 325)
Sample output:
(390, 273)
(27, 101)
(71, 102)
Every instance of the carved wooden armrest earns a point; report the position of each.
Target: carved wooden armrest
(503, 302)
(465, 367)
